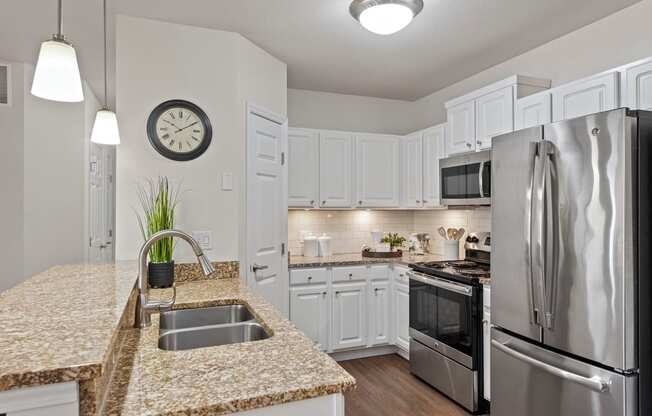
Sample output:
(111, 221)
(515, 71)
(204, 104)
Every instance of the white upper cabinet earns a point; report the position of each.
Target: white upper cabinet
(587, 96)
(533, 110)
(475, 118)
(377, 170)
(639, 86)
(433, 150)
(494, 116)
(412, 159)
(461, 128)
(335, 168)
(303, 168)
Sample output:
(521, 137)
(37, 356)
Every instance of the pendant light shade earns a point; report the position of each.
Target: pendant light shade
(105, 129)
(385, 17)
(57, 76)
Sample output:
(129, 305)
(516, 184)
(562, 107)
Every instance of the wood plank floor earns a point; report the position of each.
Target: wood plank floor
(386, 388)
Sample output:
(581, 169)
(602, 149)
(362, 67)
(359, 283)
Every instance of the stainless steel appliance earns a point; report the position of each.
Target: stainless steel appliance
(571, 261)
(446, 323)
(466, 179)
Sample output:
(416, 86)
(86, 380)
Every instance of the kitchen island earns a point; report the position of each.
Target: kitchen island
(72, 324)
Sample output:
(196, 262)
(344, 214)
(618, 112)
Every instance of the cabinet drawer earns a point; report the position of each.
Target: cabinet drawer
(380, 272)
(308, 276)
(346, 274)
(400, 275)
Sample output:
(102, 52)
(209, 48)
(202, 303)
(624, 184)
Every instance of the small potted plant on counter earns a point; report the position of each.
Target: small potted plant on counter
(394, 240)
(158, 201)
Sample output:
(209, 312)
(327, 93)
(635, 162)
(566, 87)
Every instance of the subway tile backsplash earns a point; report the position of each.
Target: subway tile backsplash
(351, 229)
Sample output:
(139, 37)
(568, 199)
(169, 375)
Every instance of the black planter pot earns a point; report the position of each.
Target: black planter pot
(161, 275)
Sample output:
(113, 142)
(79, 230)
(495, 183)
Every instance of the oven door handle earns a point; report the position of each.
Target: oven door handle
(443, 284)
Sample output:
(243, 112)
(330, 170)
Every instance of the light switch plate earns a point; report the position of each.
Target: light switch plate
(227, 181)
(204, 238)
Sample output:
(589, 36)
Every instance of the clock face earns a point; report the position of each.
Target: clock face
(179, 130)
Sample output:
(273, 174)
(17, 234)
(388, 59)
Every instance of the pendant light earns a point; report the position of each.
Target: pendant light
(385, 17)
(57, 76)
(105, 130)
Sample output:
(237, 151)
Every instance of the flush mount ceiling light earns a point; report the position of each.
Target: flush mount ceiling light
(385, 17)
(105, 130)
(57, 76)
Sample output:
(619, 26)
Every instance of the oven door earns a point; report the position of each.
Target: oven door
(444, 318)
(466, 180)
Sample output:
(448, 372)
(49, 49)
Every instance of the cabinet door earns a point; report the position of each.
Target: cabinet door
(402, 314)
(349, 315)
(303, 168)
(379, 313)
(310, 313)
(461, 128)
(433, 150)
(639, 87)
(494, 116)
(378, 173)
(486, 352)
(533, 110)
(335, 161)
(412, 159)
(584, 97)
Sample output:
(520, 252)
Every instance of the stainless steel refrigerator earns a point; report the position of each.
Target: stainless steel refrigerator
(570, 268)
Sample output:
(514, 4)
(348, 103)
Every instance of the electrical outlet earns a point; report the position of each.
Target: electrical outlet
(204, 238)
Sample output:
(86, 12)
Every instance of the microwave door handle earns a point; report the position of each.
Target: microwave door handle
(480, 172)
(594, 383)
(535, 240)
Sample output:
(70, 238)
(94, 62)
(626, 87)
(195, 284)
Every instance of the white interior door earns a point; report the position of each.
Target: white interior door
(266, 222)
(101, 205)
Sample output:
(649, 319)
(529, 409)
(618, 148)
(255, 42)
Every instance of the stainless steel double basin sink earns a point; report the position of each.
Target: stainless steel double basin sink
(184, 329)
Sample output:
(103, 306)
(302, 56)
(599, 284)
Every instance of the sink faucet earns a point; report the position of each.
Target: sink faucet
(144, 307)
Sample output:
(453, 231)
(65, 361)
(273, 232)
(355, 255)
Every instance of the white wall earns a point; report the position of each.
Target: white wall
(219, 71)
(323, 110)
(11, 183)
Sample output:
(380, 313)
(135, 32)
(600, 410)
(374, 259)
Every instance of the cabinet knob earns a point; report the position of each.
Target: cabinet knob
(468, 145)
(479, 143)
(337, 293)
(376, 291)
(418, 201)
(309, 278)
(312, 202)
(324, 293)
(323, 202)
(350, 275)
(424, 201)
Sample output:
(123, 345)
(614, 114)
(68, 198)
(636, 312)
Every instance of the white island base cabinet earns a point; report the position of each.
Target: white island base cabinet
(331, 405)
(60, 399)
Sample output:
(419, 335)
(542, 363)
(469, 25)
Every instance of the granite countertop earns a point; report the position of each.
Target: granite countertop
(350, 259)
(222, 379)
(60, 325)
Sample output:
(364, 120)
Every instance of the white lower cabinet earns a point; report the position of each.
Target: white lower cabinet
(349, 315)
(379, 313)
(402, 308)
(59, 399)
(310, 312)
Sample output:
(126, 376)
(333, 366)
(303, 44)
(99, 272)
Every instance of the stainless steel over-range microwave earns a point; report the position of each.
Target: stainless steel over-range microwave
(466, 179)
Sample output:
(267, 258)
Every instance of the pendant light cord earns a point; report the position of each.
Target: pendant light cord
(59, 20)
(105, 66)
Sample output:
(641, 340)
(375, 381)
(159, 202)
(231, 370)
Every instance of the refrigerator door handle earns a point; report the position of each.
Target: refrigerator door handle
(537, 229)
(594, 383)
(549, 252)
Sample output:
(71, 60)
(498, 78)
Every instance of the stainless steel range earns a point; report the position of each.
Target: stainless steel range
(446, 323)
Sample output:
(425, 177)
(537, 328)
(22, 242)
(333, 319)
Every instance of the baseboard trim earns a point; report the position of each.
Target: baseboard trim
(368, 352)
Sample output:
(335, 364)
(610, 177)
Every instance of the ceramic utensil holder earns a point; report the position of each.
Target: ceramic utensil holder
(451, 250)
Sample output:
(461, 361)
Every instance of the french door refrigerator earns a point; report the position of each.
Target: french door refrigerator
(571, 268)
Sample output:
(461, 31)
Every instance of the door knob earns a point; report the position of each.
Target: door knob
(257, 267)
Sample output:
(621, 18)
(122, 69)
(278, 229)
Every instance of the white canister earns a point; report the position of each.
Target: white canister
(310, 246)
(325, 248)
(451, 250)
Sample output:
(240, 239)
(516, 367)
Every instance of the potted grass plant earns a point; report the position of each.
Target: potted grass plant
(158, 201)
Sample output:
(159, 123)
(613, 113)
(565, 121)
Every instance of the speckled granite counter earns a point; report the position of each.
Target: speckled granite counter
(223, 379)
(350, 259)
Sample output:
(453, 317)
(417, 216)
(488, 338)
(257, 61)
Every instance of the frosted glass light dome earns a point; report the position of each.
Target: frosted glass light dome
(385, 17)
(105, 129)
(57, 76)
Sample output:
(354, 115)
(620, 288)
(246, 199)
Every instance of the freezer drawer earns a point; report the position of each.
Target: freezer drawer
(529, 380)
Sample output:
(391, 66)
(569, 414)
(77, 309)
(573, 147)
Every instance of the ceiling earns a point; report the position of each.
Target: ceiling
(324, 48)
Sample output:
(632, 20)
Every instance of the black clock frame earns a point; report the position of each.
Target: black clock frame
(163, 150)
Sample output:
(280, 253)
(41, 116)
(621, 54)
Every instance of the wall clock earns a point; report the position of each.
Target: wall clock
(179, 130)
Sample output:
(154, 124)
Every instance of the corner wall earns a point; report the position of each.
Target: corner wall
(219, 71)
